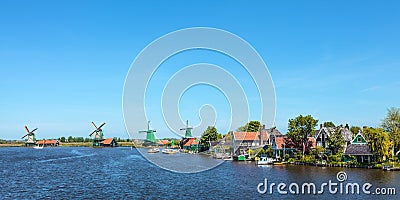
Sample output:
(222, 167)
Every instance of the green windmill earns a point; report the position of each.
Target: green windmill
(188, 130)
(98, 134)
(150, 138)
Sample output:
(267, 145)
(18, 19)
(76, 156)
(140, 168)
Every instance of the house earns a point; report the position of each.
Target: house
(359, 149)
(252, 140)
(48, 143)
(322, 135)
(163, 142)
(190, 144)
(282, 145)
(109, 142)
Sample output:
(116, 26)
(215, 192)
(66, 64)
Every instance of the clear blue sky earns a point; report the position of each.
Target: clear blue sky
(63, 63)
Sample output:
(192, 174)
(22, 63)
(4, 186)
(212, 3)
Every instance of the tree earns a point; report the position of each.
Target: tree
(252, 126)
(379, 142)
(70, 139)
(209, 135)
(391, 124)
(329, 124)
(355, 130)
(300, 128)
(62, 139)
(336, 140)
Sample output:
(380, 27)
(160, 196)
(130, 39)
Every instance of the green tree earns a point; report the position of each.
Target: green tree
(379, 142)
(209, 135)
(335, 141)
(300, 128)
(329, 124)
(391, 124)
(355, 130)
(62, 139)
(252, 126)
(70, 139)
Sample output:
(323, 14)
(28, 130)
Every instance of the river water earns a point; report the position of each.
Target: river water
(122, 173)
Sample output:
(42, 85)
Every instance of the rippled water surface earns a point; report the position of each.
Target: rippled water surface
(122, 173)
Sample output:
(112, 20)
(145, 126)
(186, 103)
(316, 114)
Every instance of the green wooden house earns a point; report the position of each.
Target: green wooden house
(359, 149)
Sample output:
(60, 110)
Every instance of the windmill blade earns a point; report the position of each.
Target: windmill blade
(34, 130)
(182, 129)
(142, 131)
(94, 125)
(26, 128)
(24, 136)
(154, 130)
(102, 125)
(92, 133)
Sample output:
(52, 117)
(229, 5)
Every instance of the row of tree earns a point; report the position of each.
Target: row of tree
(82, 139)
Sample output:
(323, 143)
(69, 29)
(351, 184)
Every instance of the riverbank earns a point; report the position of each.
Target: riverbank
(67, 144)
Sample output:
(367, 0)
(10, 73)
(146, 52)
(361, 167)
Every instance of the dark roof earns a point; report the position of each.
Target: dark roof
(357, 149)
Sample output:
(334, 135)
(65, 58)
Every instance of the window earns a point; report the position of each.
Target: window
(358, 139)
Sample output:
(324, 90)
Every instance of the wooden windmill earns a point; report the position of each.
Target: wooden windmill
(97, 134)
(187, 129)
(150, 138)
(30, 137)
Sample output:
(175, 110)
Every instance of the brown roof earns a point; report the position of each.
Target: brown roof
(249, 135)
(107, 141)
(280, 142)
(47, 142)
(163, 142)
(190, 141)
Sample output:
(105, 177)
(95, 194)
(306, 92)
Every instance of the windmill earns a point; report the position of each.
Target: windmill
(98, 134)
(31, 137)
(150, 134)
(188, 130)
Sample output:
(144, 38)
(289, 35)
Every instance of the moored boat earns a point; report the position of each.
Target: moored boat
(154, 150)
(169, 151)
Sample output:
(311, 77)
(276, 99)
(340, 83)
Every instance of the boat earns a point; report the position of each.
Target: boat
(169, 151)
(154, 150)
(265, 161)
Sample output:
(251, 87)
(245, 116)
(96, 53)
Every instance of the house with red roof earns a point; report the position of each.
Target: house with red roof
(109, 142)
(48, 143)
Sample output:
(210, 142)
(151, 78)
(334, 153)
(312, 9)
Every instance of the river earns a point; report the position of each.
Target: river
(122, 173)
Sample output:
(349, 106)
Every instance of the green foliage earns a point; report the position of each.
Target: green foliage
(379, 142)
(336, 141)
(209, 135)
(329, 124)
(355, 130)
(62, 139)
(252, 126)
(300, 128)
(391, 124)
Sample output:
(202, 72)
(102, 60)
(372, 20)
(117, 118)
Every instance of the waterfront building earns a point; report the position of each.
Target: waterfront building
(359, 149)
(48, 143)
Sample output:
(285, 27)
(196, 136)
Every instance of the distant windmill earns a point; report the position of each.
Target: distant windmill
(31, 137)
(150, 134)
(98, 134)
(188, 130)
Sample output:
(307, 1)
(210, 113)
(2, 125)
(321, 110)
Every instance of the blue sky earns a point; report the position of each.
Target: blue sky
(63, 64)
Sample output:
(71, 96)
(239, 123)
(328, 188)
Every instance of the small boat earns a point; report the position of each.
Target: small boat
(154, 150)
(265, 161)
(169, 151)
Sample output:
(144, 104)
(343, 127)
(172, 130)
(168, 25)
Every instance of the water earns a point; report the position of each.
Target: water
(119, 173)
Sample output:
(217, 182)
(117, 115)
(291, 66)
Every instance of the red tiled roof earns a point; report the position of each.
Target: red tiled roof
(190, 141)
(47, 142)
(280, 142)
(107, 141)
(249, 136)
(163, 142)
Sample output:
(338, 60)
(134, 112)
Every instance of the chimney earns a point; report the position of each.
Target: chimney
(262, 129)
